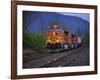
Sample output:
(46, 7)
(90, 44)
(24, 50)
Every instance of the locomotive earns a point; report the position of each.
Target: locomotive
(59, 39)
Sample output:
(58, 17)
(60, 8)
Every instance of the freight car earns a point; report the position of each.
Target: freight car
(58, 39)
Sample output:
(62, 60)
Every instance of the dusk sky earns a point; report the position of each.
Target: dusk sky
(84, 16)
(39, 21)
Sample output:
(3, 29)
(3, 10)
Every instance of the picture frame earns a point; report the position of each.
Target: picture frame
(17, 8)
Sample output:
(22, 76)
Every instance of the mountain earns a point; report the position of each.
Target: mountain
(40, 21)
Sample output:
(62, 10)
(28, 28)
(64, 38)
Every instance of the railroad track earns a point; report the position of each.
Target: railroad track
(72, 59)
(54, 59)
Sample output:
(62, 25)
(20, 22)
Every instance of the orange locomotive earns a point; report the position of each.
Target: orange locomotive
(57, 38)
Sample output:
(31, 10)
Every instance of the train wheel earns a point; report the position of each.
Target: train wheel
(76, 46)
(72, 46)
(65, 46)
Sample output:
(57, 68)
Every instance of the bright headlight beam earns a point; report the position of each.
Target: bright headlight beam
(54, 33)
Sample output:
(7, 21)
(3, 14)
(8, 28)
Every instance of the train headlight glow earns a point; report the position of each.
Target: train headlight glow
(57, 40)
(54, 33)
(49, 40)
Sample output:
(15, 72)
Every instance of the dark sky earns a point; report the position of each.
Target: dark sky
(84, 16)
(39, 22)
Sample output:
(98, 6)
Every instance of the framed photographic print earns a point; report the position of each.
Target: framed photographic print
(53, 39)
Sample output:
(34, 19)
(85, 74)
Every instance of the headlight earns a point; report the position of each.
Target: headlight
(54, 33)
(49, 40)
(57, 40)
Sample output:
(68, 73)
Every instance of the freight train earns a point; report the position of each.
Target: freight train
(59, 39)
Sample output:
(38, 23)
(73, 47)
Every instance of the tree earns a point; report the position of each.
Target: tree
(85, 38)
